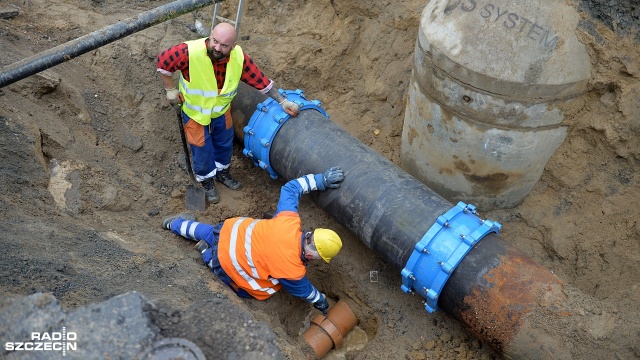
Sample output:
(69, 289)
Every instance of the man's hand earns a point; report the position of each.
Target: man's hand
(174, 97)
(332, 177)
(290, 107)
(322, 304)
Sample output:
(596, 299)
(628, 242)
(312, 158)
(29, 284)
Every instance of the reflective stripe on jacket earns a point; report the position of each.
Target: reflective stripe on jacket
(255, 253)
(202, 99)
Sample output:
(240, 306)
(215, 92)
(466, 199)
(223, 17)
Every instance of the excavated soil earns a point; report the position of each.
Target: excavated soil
(91, 163)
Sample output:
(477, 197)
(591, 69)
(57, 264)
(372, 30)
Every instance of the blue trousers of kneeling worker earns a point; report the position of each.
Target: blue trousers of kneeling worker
(197, 231)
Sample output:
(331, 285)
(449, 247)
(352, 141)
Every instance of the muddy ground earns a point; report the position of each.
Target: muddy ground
(91, 164)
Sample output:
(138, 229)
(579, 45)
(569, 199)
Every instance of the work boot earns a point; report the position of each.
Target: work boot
(224, 176)
(210, 190)
(202, 246)
(166, 223)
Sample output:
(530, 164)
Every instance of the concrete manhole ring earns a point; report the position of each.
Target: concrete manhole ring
(172, 349)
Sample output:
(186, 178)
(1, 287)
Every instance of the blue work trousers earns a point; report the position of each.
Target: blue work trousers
(197, 231)
(215, 153)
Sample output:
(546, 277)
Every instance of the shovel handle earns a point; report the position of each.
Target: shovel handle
(178, 110)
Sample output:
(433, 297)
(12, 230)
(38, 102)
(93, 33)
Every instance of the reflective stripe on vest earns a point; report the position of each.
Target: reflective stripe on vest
(202, 98)
(251, 280)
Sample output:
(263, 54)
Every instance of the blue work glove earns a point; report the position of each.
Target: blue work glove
(322, 304)
(332, 177)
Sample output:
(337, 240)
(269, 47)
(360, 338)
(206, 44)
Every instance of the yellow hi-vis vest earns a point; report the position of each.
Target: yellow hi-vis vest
(202, 100)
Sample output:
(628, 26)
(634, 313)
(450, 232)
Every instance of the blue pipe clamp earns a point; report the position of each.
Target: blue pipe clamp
(265, 123)
(441, 249)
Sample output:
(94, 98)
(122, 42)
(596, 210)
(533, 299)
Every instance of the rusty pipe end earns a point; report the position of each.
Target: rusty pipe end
(328, 332)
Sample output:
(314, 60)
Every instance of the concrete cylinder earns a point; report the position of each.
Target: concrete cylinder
(485, 104)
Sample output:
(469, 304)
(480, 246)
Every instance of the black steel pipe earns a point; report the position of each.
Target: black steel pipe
(69, 50)
(377, 203)
(498, 293)
(501, 295)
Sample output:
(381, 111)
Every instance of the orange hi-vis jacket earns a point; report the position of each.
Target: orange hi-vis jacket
(256, 252)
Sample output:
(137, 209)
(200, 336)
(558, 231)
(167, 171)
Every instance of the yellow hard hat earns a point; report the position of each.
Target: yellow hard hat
(327, 243)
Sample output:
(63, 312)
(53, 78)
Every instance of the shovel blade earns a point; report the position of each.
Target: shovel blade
(195, 198)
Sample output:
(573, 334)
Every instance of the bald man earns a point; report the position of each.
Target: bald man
(205, 103)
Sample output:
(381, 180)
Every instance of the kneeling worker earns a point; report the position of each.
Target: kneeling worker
(257, 257)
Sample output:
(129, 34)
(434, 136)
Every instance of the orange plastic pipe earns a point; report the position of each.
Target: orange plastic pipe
(328, 332)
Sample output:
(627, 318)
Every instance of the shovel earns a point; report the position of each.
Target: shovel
(195, 197)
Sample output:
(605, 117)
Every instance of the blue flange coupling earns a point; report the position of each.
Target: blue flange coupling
(441, 249)
(265, 123)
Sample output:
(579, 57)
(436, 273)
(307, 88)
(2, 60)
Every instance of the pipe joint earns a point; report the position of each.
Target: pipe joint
(441, 249)
(265, 123)
(328, 332)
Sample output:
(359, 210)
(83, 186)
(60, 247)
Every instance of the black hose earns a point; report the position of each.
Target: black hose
(67, 51)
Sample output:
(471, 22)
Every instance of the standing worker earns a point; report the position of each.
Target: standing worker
(256, 257)
(205, 103)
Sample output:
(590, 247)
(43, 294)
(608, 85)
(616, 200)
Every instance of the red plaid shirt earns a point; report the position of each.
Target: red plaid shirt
(177, 58)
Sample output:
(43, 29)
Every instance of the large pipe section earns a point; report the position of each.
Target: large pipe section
(378, 200)
(498, 293)
(69, 50)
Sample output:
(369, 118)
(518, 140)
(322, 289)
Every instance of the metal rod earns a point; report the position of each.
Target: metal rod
(69, 50)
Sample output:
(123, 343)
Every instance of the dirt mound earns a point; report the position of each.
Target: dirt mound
(91, 164)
